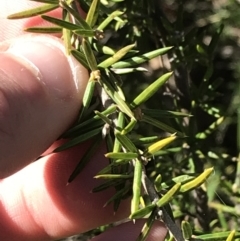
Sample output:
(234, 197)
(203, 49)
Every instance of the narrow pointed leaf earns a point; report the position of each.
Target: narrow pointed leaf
(129, 127)
(66, 34)
(121, 155)
(136, 186)
(84, 33)
(122, 105)
(92, 63)
(159, 145)
(155, 113)
(169, 195)
(89, 122)
(80, 21)
(80, 57)
(103, 117)
(147, 227)
(150, 90)
(107, 20)
(92, 13)
(182, 179)
(140, 59)
(108, 168)
(34, 11)
(104, 49)
(126, 142)
(108, 184)
(114, 176)
(158, 182)
(79, 139)
(118, 195)
(210, 129)
(87, 97)
(197, 181)
(44, 30)
(161, 125)
(141, 213)
(231, 236)
(129, 70)
(60, 22)
(84, 160)
(186, 230)
(116, 57)
(221, 236)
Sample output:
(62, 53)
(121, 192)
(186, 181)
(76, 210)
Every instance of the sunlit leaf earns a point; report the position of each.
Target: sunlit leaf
(34, 11)
(140, 59)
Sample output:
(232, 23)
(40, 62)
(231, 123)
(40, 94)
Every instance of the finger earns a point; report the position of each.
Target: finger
(130, 231)
(40, 95)
(36, 203)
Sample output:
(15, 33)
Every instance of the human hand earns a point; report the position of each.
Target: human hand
(40, 95)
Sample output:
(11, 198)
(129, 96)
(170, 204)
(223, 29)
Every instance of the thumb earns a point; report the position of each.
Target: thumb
(40, 94)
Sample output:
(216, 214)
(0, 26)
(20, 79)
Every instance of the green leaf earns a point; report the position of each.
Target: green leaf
(113, 176)
(103, 117)
(186, 230)
(34, 11)
(129, 127)
(216, 236)
(118, 195)
(158, 182)
(196, 182)
(122, 105)
(147, 227)
(109, 183)
(126, 142)
(231, 236)
(140, 59)
(92, 13)
(60, 22)
(79, 20)
(79, 139)
(141, 213)
(116, 57)
(80, 58)
(87, 50)
(161, 125)
(169, 195)
(150, 90)
(108, 20)
(136, 186)
(155, 113)
(90, 123)
(159, 145)
(67, 33)
(210, 129)
(87, 97)
(44, 30)
(85, 159)
(121, 155)
(84, 33)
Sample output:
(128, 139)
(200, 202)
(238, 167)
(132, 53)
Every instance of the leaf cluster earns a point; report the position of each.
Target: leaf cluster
(144, 167)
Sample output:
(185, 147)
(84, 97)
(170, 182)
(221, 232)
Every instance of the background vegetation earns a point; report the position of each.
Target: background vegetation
(205, 60)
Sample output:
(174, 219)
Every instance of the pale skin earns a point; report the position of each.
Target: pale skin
(36, 105)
